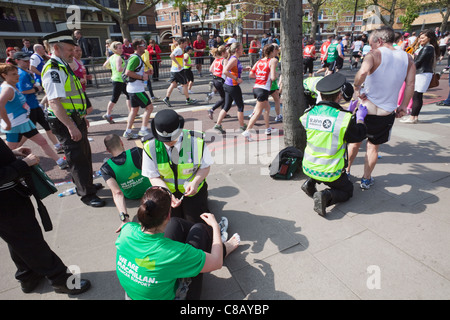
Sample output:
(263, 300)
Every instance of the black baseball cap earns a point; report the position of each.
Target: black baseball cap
(20, 55)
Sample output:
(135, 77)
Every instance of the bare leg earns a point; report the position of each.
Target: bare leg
(353, 149)
(371, 159)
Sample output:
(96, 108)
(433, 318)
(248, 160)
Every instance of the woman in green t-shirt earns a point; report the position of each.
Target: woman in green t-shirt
(155, 253)
(116, 63)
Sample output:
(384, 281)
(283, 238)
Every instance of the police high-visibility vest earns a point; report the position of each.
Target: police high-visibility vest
(75, 99)
(310, 84)
(324, 156)
(186, 166)
(129, 178)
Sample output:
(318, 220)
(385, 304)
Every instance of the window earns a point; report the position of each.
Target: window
(142, 20)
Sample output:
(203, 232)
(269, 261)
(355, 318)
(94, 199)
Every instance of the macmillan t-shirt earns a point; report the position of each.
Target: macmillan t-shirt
(148, 265)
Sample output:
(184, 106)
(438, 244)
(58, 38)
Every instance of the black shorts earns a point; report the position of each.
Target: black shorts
(178, 77)
(308, 64)
(198, 60)
(37, 116)
(139, 99)
(356, 54)
(189, 75)
(118, 89)
(339, 63)
(260, 94)
(379, 127)
(442, 49)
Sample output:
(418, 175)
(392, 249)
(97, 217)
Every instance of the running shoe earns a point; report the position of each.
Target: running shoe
(167, 102)
(191, 92)
(269, 131)
(62, 164)
(144, 132)
(223, 224)
(211, 86)
(155, 98)
(191, 101)
(279, 118)
(59, 149)
(244, 127)
(219, 128)
(366, 183)
(210, 113)
(209, 96)
(130, 136)
(247, 136)
(251, 115)
(108, 118)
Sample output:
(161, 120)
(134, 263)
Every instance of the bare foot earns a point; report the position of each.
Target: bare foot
(232, 244)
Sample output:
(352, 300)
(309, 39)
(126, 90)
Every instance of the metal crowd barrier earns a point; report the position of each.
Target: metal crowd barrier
(101, 76)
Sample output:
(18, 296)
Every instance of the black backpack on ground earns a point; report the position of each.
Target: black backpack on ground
(286, 163)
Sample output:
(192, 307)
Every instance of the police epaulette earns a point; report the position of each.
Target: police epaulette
(54, 63)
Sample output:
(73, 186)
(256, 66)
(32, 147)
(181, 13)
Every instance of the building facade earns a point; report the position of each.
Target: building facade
(26, 19)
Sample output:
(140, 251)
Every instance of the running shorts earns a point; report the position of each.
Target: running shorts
(260, 94)
(379, 127)
(139, 99)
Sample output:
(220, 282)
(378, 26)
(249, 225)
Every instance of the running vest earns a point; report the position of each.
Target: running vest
(189, 161)
(15, 110)
(261, 69)
(116, 75)
(129, 178)
(189, 61)
(324, 157)
(324, 49)
(218, 68)
(309, 51)
(75, 99)
(383, 85)
(332, 52)
(235, 71)
(179, 55)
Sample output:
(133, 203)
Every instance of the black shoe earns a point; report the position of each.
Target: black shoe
(321, 199)
(84, 286)
(441, 103)
(309, 187)
(31, 284)
(94, 201)
(98, 186)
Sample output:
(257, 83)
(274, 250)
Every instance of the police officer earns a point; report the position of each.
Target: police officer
(328, 130)
(179, 160)
(66, 115)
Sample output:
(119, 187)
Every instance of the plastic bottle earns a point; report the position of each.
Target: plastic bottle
(67, 192)
(97, 174)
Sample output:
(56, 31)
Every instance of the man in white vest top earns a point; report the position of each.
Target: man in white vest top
(377, 85)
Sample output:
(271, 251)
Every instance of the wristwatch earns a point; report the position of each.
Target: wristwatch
(123, 216)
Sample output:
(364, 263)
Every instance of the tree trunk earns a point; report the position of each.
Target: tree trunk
(314, 22)
(292, 73)
(126, 34)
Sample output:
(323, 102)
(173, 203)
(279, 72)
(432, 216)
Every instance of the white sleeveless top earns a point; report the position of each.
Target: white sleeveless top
(383, 86)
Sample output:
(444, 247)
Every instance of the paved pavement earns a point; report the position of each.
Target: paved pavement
(390, 242)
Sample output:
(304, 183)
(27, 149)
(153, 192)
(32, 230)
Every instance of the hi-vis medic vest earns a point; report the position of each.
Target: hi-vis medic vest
(177, 173)
(75, 99)
(324, 156)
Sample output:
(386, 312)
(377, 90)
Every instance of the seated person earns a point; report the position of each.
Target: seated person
(154, 254)
(122, 173)
(329, 128)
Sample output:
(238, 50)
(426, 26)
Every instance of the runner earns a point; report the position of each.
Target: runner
(264, 71)
(323, 54)
(333, 53)
(356, 52)
(216, 69)
(177, 73)
(233, 71)
(309, 55)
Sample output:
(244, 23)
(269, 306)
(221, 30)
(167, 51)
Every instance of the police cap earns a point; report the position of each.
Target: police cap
(331, 84)
(64, 36)
(167, 125)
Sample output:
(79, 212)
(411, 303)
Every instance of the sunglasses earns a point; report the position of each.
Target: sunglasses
(166, 190)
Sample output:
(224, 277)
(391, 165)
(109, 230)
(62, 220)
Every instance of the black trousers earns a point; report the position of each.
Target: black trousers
(198, 235)
(218, 84)
(27, 247)
(78, 156)
(341, 189)
(191, 208)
